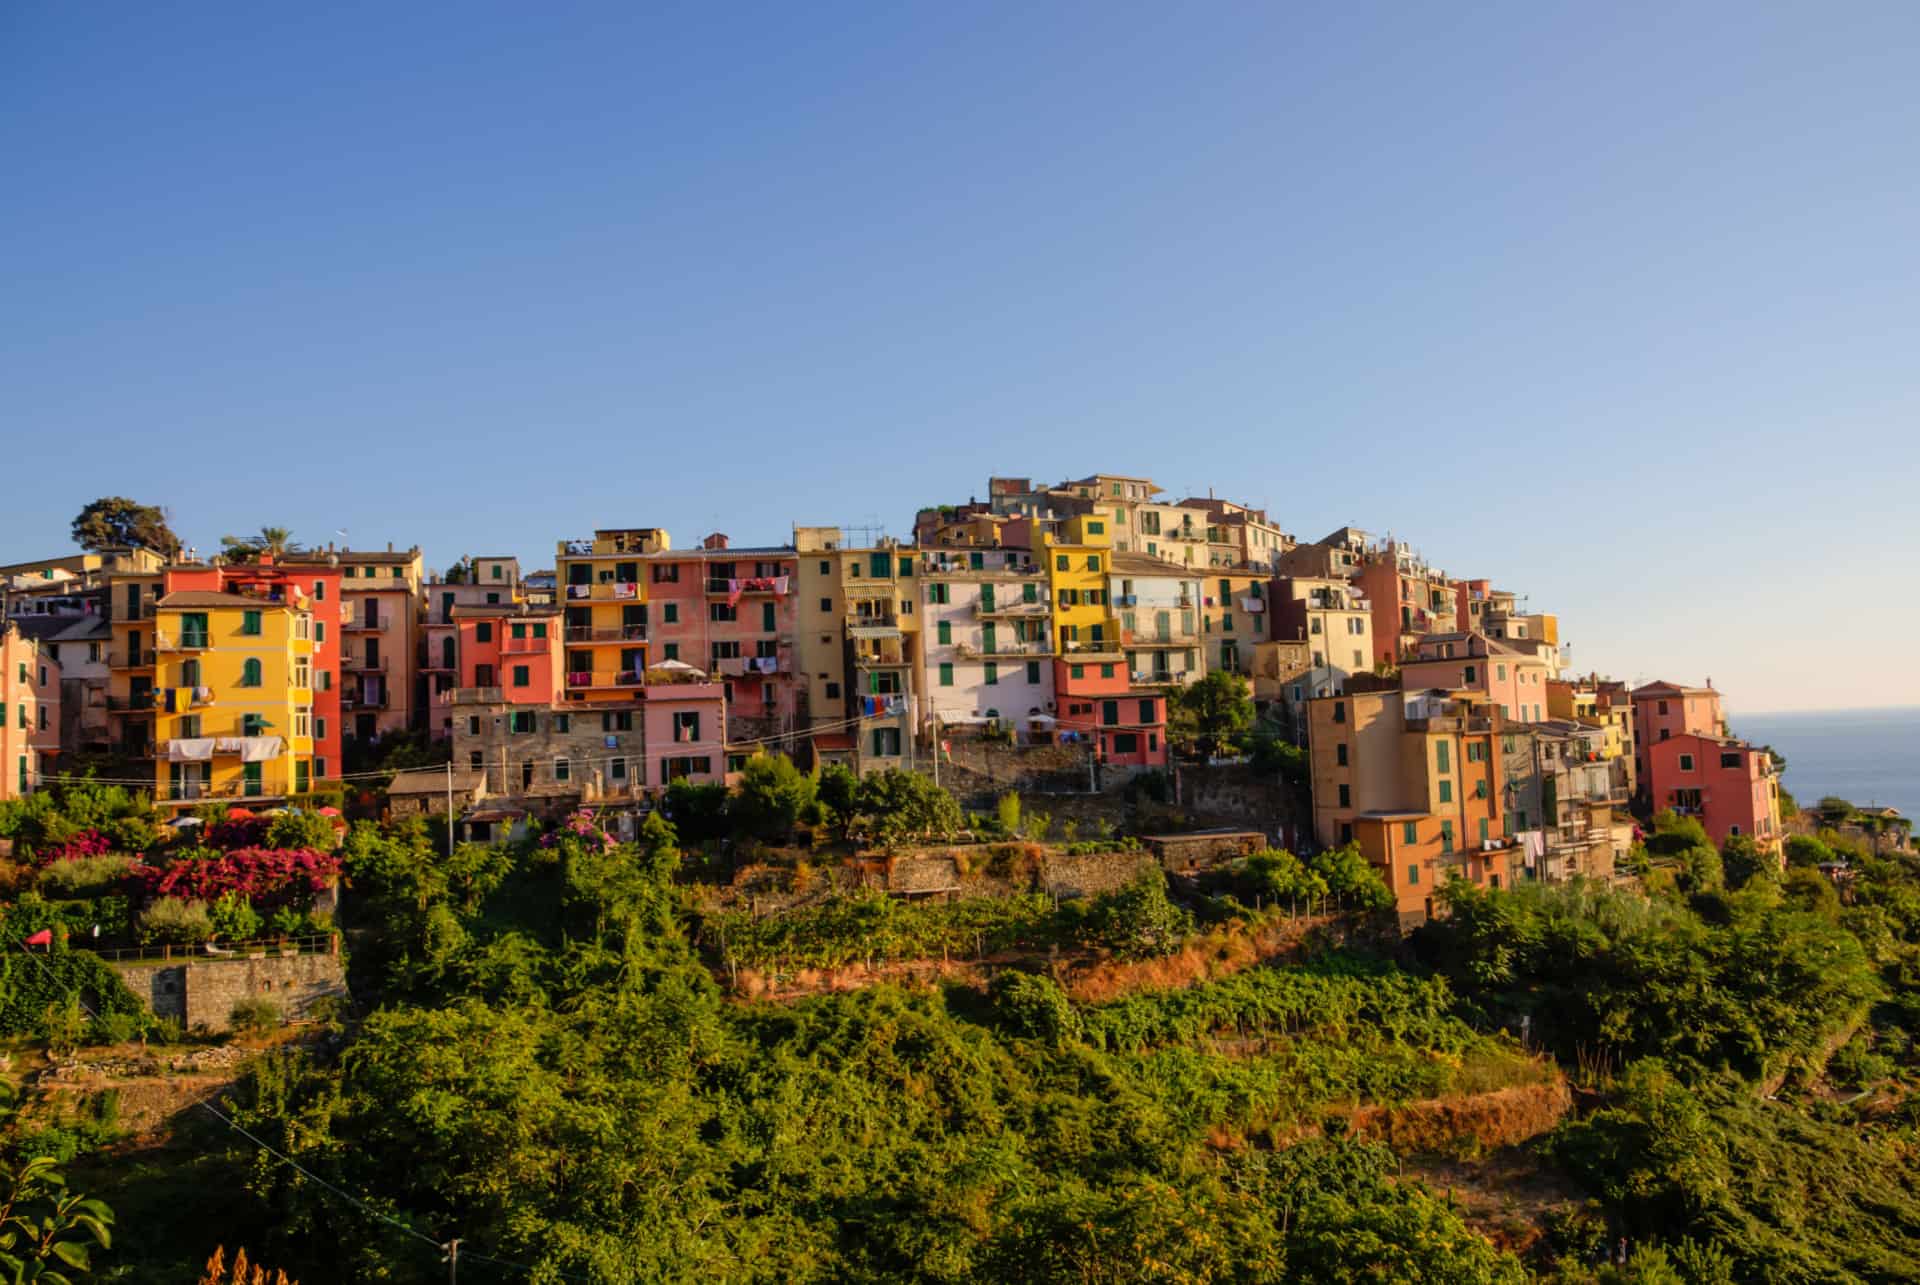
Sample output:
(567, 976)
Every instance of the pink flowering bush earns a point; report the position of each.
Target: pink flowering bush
(581, 827)
(77, 847)
(258, 874)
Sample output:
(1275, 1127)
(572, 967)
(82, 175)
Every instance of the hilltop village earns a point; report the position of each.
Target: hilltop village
(1092, 631)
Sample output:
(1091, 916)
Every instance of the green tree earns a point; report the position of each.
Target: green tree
(771, 798)
(46, 1230)
(837, 792)
(1351, 878)
(895, 804)
(274, 541)
(1743, 861)
(1213, 713)
(115, 521)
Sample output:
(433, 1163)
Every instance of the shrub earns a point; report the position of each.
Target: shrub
(172, 921)
(1007, 813)
(1033, 1007)
(1138, 920)
(84, 876)
(116, 1028)
(302, 830)
(234, 918)
(254, 1016)
(257, 873)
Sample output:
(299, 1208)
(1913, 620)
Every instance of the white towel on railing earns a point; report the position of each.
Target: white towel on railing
(192, 750)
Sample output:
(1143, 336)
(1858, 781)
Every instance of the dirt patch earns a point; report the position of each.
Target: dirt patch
(1495, 1119)
(1506, 1195)
(1220, 953)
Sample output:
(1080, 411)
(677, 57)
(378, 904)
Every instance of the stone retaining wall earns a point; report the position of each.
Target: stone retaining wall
(202, 992)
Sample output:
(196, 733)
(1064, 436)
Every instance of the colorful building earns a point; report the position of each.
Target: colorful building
(1470, 662)
(1600, 704)
(1126, 723)
(1240, 537)
(1077, 565)
(605, 587)
(1160, 607)
(29, 711)
(234, 689)
(381, 692)
(1663, 710)
(479, 582)
(1410, 599)
(858, 647)
(1235, 618)
(1729, 786)
(1415, 779)
(986, 641)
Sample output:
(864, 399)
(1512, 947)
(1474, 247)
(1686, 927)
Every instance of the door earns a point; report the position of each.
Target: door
(250, 782)
(446, 653)
(373, 653)
(365, 727)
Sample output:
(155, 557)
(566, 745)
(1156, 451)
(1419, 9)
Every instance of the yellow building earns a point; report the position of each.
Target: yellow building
(602, 584)
(858, 647)
(233, 696)
(1234, 619)
(1077, 570)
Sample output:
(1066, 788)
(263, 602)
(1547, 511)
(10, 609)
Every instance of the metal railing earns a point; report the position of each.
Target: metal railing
(603, 633)
(311, 944)
(185, 642)
(381, 621)
(362, 665)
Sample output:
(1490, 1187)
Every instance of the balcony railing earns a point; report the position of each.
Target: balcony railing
(1158, 638)
(748, 666)
(605, 633)
(181, 642)
(937, 566)
(473, 696)
(1092, 647)
(583, 679)
(1018, 607)
(1004, 647)
(361, 664)
(749, 585)
(360, 623)
(523, 646)
(130, 660)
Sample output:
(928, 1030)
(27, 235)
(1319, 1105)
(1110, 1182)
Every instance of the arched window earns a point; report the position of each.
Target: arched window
(250, 673)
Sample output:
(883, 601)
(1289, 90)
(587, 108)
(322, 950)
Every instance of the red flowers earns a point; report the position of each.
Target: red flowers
(87, 843)
(255, 873)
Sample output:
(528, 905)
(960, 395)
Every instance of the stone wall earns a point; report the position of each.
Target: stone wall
(1091, 874)
(202, 992)
(1239, 794)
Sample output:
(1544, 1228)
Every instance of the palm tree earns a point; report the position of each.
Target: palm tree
(275, 541)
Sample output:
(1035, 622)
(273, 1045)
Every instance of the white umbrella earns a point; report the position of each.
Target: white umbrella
(676, 667)
(181, 823)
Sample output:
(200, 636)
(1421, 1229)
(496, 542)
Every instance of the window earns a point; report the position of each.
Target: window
(1064, 563)
(826, 604)
(1476, 752)
(1077, 671)
(522, 676)
(320, 734)
(1661, 706)
(617, 721)
(1033, 671)
(1470, 674)
(1409, 832)
(483, 631)
(1500, 672)
(563, 722)
(523, 721)
(1146, 711)
(946, 674)
(562, 770)
(250, 623)
(1446, 791)
(1730, 759)
(1686, 762)
(992, 673)
(686, 726)
(943, 633)
(1313, 626)
(320, 595)
(1346, 796)
(1480, 790)
(670, 651)
(940, 592)
(1442, 755)
(250, 672)
(253, 724)
(720, 611)
(1106, 670)
(670, 613)
(1339, 711)
(833, 691)
(474, 760)
(1110, 713)
(1483, 829)
(767, 625)
(1126, 743)
(1340, 755)
(1446, 836)
(1413, 872)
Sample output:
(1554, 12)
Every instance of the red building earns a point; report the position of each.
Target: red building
(1097, 701)
(1729, 786)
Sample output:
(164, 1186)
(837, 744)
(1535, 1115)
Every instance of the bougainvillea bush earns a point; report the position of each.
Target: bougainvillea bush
(273, 876)
(582, 827)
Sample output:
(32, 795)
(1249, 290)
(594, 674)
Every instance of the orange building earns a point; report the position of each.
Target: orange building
(1415, 779)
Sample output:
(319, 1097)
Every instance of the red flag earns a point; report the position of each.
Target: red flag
(42, 938)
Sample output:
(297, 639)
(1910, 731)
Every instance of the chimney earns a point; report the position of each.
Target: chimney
(718, 540)
(389, 546)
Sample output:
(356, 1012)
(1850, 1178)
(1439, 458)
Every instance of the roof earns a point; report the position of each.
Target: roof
(60, 628)
(433, 780)
(210, 598)
(394, 557)
(833, 742)
(1143, 564)
(488, 610)
(1662, 686)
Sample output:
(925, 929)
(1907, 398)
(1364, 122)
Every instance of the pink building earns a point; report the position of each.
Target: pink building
(685, 734)
(1471, 661)
(1409, 600)
(1099, 703)
(1663, 710)
(29, 711)
(490, 582)
(732, 614)
(515, 649)
(1728, 785)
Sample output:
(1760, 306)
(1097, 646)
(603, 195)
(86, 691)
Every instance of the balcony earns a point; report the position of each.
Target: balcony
(1003, 647)
(472, 696)
(1153, 678)
(884, 620)
(586, 680)
(365, 700)
(1093, 647)
(1159, 638)
(747, 585)
(130, 660)
(362, 664)
(940, 566)
(750, 666)
(523, 646)
(380, 622)
(1020, 609)
(604, 633)
(181, 642)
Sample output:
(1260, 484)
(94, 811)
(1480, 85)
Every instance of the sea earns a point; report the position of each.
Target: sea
(1864, 756)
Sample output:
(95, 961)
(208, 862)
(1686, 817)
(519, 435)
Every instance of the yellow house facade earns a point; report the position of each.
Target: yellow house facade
(1077, 565)
(602, 587)
(232, 697)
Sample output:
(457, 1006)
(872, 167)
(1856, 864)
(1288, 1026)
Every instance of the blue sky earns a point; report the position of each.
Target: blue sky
(1614, 306)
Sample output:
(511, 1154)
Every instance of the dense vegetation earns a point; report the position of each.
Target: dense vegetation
(549, 1066)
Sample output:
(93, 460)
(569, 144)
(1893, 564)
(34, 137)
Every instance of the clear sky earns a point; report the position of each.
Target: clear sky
(1618, 305)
